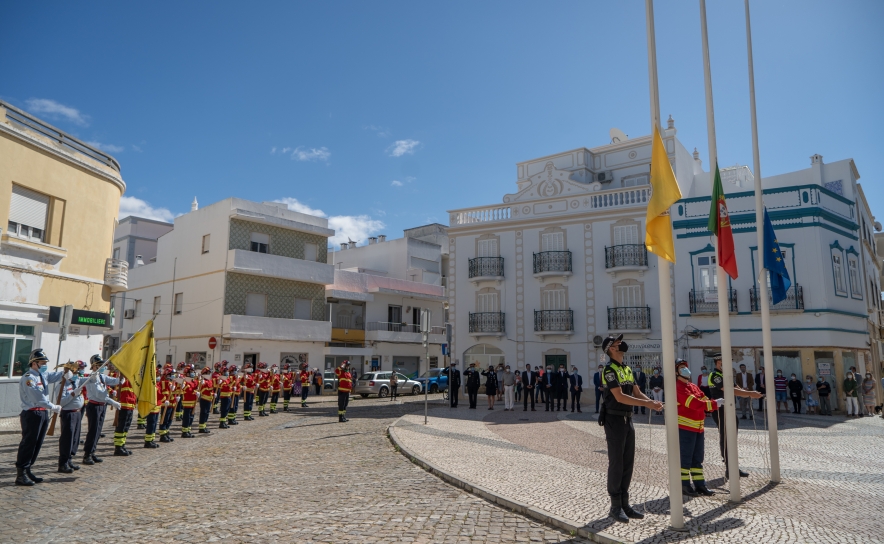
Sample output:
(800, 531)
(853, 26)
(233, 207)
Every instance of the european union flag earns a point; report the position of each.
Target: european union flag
(774, 263)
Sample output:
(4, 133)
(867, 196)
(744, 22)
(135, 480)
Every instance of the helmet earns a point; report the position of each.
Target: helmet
(38, 356)
(679, 362)
(206, 370)
(246, 366)
(232, 368)
(96, 360)
(345, 363)
(262, 365)
(81, 365)
(286, 366)
(274, 365)
(217, 366)
(168, 372)
(224, 363)
(181, 365)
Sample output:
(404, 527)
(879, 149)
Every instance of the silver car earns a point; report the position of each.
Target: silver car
(378, 383)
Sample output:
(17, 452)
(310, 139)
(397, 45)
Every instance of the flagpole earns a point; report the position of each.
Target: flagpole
(764, 303)
(724, 321)
(676, 513)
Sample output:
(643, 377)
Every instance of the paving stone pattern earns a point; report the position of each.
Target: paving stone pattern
(833, 474)
(292, 477)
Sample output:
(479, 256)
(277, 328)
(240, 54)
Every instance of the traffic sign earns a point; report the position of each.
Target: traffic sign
(212, 343)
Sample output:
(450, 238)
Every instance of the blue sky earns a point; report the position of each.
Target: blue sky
(384, 115)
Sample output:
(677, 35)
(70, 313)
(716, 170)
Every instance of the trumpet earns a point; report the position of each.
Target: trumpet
(73, 366)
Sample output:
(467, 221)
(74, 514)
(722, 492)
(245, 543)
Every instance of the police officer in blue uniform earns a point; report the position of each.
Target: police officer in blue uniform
(33, 390)
(96, 390)
(621, 395)
(71, 418)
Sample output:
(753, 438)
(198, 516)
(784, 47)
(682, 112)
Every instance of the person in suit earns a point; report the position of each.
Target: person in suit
(529, 383)
(576, 388)
(599, 390)
(562, 385)
(541, 391)
(548, 387)
(453, 384)
(761, 387)
(641, 380)
(743, 380)
(473, 379)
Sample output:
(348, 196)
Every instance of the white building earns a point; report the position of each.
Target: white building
(250, 275)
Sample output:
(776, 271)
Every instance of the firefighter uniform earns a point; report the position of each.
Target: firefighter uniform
(153, 418)
(189, 396)
(127, 399)
(99, 398)
(305, 386)
(263, 388)
(692, 407)
(207, 396)
(287, 382)
(276, 387)
(171, 399)
(249, 382)
(225, 386)
(236, 387)
(345, 385)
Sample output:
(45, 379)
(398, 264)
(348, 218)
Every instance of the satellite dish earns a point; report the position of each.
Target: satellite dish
(617, 135)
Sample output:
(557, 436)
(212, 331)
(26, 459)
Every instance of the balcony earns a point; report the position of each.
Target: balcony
(705, 301)
(626, 257)
(554, 322)
(794, 301)
(116, 275)
(552, 263)
(487, 324)
(273, 328)
(630, 319)
(486, 268)
(276, 266)
(383, 331)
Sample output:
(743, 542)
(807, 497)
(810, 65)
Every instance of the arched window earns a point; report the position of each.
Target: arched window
(483, 355)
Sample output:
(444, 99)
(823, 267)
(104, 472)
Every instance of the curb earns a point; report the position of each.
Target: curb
(511, 504)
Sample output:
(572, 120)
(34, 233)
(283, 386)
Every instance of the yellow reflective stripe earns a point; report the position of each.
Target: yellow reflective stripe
(687, 403)
(692, 423)
(708, 405)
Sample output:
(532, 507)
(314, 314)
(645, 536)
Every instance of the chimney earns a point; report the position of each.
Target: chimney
(194, 206)
(816, 167)
(382, 238)
(139, 261)
(372, 240)
(344, 246)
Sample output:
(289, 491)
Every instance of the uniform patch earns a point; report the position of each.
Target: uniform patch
(610, 376)
(29, 382)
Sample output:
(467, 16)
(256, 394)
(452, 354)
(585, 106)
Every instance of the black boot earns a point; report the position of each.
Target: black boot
(126, 450)
(151, 445)
(702, 489)
(631, 513)
(223, 425)
(120, 451)
(688, 490)
(30, 475)
(72, 465)
(97, 459)
(165, 438)
(340, 418)
(232, 422)
(65, 469)
(204, 431)
(21, 478)
(215, 411)
(140, 426)
(87, 460)
(616, 512)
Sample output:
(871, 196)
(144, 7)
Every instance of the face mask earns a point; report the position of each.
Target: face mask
(507, 369)
(702, 371)
(656, 372)
(192, 375)
(225, 374)
(601, 368)
(868, 376)
(624, 347)
(574, 370)
(561, 369)
(101, 371)
(779, 373)
(684, 372)
(849, 376)
(808, 381)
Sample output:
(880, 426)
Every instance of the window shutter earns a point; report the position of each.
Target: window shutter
(553, 241)
(28, 207)
(302, 308)
(256, 304)
(310, 251)
(487, 248)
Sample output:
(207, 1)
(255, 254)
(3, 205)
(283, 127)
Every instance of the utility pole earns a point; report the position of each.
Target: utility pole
(425, 338)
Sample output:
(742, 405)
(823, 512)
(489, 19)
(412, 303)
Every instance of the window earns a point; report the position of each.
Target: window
(116, 254)
(311, 252)
(634, 181)
(434, 362)
(488, 302)
(552, 241)
(628, 296)
(156, 305)
(256, 304)
(206, 240)
(138, 308)
(260, 242)
(707, 273)
(554, 298)
(853, 274)
(838, 270)
(16, 343)
(394, 314)
(302, 308)
(27, 213)
(625, 235)
(488, 248)
(179, 303)
(416, 316)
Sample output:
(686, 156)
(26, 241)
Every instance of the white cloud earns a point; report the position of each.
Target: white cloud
(110, 148)
(402, 147)
(136, 148)
(382, 132)
(396, 183)
(129, 205)
(311, 154)
(52, 109)
(347, 227)
(272, 150)
(285, 150)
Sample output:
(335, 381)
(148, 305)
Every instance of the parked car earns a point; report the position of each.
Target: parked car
(329, 380)
(436, 377)
(378, 383)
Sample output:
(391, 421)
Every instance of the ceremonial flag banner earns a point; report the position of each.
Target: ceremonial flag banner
(720, 225)
(774, 263)
(136, 360)
(664, 193)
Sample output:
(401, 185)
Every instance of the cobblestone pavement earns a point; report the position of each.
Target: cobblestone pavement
(292, 477)
(833, 474)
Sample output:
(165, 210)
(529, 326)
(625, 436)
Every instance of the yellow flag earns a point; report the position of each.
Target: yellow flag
(137, 361)
(665, 193)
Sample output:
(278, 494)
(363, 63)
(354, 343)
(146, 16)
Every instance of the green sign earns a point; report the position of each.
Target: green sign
(96, 321)
(82, 317)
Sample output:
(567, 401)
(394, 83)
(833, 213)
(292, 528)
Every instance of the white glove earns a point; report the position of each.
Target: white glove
(166, 403)
(68, 375)
(93, 377)
(55, 408)
(719, 402)
(114, 403)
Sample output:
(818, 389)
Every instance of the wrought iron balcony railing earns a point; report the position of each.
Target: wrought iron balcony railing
(706, 301)
(629, 318)
(626, 255)
(552, 261)
(794, 299)
(486, 267)
(491, 322)
(553, 320)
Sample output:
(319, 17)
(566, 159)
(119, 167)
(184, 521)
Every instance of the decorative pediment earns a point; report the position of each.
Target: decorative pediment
(549, 183)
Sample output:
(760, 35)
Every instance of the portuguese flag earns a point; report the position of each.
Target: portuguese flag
(720, 225)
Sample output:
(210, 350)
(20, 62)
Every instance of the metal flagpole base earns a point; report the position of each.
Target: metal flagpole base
(677, 529)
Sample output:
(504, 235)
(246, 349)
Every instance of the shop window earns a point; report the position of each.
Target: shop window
(16, 343)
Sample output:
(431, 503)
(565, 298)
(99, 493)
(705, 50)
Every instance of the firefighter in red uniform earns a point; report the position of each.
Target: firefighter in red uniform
(216, 373)
(224, 383)
(189, 396)
(287, 382)
(249, 384)
(179, 408)
(692, 408)
(263, 381)
(276, 389)
(236, 386)
(127, 400)
(345, 385)
(153, 418)
(207, 396)
(304, 376)
(169, 389)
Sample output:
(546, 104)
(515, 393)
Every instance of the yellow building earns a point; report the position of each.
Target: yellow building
(59, 199)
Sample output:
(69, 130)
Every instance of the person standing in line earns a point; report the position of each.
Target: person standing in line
(599, 390)
(823, 389)
(345, 385)
(576, 382)
(170, 387)
(703, 380)
(224, 384)
(499, 374)
(656, 385)
(153, 417)
(529, 381)
(809, 389)
(518, 389)
(761, 387)
(453, 385)
(189, 397)
(236, 386)
(472, 377)
(304, 379)
(641, 380)
(288, 381)
(276, 387)
(317, 382)
(263, 381)
(692, 408)
(850, 389)
(716, 386)
(71, 403)
(491, 386)
(743, 380)
(207, 397)
(795, 389)
(509, 384)
(616, 417)
(562, 384)
(124, 417)
(249, 384)
(541, 389)
(868, 393)
(548, 387)
(394, 385)
(781, 386)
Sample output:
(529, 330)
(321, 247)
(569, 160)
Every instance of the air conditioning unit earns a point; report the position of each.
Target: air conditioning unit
(604, 177)
(129, 314)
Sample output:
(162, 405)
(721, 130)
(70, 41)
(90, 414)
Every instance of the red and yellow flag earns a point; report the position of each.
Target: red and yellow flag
(720, 225)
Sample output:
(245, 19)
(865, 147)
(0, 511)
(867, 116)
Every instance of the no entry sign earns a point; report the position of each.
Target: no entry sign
(212, 343)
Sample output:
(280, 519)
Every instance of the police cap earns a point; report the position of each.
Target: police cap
(606, 343)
